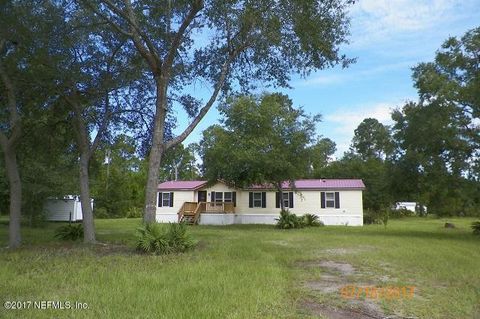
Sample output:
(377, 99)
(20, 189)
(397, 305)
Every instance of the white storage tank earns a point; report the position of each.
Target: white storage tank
(68, 208)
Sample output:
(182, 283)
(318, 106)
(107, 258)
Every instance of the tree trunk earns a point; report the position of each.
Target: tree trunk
(87, 214)
(15, 185)
(156, 153)
(83, 145)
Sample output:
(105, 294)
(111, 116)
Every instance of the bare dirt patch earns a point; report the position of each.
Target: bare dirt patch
(334, 276)
(330, 312)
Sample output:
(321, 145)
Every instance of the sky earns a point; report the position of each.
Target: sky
(387, 38)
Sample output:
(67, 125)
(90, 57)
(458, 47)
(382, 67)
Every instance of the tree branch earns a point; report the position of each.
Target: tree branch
(177, 140)
(177, 40)
(107, 19)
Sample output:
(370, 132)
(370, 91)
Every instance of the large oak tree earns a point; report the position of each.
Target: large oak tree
(224, 45)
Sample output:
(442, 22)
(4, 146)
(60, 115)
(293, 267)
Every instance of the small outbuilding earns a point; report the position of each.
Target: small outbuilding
(68, 208)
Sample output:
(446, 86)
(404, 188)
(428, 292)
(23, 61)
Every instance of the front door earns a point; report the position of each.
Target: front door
(202, 196)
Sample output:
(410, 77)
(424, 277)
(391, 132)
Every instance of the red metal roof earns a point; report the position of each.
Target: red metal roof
(179, 185)
(299, 184)
(319, 184)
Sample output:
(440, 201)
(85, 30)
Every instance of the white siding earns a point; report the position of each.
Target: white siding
(64, 209)
(305, 202)
(179, 197)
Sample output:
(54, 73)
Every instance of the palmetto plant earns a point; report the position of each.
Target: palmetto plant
(311, 220)
(288, 220)
(158, 239)
(476, 228)
(69, 232)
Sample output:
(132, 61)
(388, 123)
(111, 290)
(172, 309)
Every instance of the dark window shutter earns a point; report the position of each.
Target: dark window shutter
(171, 199)
(337, 200)
(234, 199)
(277, 199)
(264, 199)
(290, 199)
(322, 199)
(212, 197)
(160, 199)
(250, 199)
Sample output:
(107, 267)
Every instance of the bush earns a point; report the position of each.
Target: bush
(288, 220)
(476, 228)
(156, 239)
(69, 232)
(134, 212)
(311, 220)
(400, 213)
(101, 212)
(371, 217)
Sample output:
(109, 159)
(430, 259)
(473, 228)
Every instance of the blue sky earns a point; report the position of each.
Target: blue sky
(387, 38)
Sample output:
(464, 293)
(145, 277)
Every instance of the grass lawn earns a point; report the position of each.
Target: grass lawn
(246, 271)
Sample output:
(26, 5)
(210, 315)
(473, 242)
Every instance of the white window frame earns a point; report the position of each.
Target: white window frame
(229, 200)
(166, 199)
(257, 202)
(330, 200)
(286, 199)
(217, 199)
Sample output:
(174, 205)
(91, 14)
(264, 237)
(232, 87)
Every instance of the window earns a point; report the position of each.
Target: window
(166, 199)
(257, 199)
(330, 199)
(227, 197)
(286, 199)
(218, 197)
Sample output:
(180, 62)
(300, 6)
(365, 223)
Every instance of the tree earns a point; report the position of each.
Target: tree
(118, 178)
(97, 70)
(453, 79)
(434, 153)
(321, 154)
(372, 140)
(179, 163)
(25, 86)
(263, 140)
(225, 44)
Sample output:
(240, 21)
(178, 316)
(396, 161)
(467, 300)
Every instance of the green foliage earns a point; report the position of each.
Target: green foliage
(372, 140)
(134, 212)
(311, 220)
(476, 228)
(70, 232)
(371, 217)
(118, 176)
(400, 213)
(154, 238)
(288, 220)
(385, 216)
(100, 212)
(263, 139)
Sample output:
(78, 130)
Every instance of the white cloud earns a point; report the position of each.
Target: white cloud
(344, 122)
(343, 76)
(384, 20)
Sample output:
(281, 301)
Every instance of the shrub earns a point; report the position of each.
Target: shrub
(400, 213)
(476, 228)
(69, 232)
(371, 217)
(101, 212)
(288, 220)
(156, 239)
(311, 220)
(134, 212)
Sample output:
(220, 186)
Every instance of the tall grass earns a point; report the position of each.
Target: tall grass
(240, 271)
